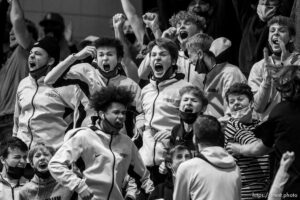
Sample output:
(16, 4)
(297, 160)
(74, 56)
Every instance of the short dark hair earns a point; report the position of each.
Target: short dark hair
(207, 130)
(188, 16)
(195, 91)
(103, 98)
(111, 42)
(12, 143)
(171, 152)
(239, 88)
(37, 147)
(167, 44)
(283, 21)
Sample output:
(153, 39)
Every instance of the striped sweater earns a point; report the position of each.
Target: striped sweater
(255, 171)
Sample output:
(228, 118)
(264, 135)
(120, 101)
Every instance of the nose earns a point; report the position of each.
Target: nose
(105, 57)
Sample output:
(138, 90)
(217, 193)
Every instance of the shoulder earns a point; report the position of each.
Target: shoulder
(82, 132)
(82, 67)
(257, 66)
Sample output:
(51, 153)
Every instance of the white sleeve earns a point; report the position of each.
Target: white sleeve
(181, 186)
(59, 165)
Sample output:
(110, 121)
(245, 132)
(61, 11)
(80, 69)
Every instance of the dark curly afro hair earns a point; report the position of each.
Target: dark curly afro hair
(103, 98)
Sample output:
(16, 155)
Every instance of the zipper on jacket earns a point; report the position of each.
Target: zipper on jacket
(33, 110)
(151, 121)
(12, 188)
(189, 71)
(113, 169)
(153, 107)
(12, 193)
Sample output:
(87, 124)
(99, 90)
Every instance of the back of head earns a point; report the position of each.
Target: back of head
(207, 131)
(199, 41)
(110, 42)
(103, 98)
(220, 48)
(12, 143)
(53, 19)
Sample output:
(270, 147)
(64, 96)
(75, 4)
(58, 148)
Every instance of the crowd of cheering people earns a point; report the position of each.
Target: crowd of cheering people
(197, 100)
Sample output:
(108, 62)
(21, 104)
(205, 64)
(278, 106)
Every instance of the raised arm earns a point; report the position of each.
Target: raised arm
(135, 21)
(61, 68)
(151, 21)
(23, 37)
(128, 65)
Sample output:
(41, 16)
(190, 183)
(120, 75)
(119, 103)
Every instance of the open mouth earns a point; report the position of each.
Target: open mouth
(275, 41)
(188, 110)
(32, 64)
(43, 165)
(158, 67)
(183, 35)
(106, 67)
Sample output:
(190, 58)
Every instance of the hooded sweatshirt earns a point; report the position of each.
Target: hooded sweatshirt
(217, 178)
(47, 189)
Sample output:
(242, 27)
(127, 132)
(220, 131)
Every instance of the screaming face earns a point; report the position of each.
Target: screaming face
(160, 61)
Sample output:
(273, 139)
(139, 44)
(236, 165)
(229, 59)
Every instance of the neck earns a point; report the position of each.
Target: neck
(209, 62)
(187, 127)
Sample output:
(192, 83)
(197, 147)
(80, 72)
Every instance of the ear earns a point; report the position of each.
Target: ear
(292, 39)
(203, 109)
(200, 54)
(2, 160)
(101, 115)
(51, 61)
(173, 62)
(31, 164)
(169, 165)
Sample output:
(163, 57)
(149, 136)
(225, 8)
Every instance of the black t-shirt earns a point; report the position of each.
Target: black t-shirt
(282, 133)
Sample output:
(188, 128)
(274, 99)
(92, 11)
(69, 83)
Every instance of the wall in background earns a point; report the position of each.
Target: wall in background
(88, 17)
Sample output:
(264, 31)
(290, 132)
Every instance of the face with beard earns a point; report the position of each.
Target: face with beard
(38, 58)
(199, 7)
(115, 116)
